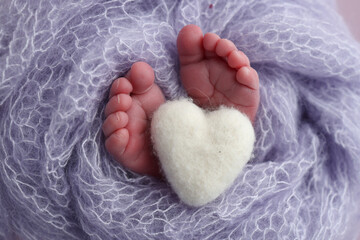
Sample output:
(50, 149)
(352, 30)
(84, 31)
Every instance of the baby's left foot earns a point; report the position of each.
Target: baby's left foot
(214, 72)
(133, 99)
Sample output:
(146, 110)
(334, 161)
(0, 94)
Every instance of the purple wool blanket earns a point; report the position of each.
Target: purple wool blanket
(57, 61)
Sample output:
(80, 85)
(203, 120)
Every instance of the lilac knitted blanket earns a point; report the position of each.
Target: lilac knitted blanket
(57, 61)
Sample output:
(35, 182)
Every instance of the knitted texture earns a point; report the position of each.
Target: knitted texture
(57, 61)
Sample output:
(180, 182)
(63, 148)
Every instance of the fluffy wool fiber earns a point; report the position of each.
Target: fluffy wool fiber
(57, 61)
(201, 153)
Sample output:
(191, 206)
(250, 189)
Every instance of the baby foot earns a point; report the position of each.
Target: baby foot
(133, 99)
(214, 72)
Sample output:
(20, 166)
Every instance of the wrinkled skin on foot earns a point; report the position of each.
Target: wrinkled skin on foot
(213, 71)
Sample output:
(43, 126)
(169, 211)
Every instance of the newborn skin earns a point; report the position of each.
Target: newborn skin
(213, 72)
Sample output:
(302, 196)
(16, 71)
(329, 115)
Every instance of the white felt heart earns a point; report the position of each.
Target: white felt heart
(201, 153)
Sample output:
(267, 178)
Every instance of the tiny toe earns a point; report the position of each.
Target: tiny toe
(117, 142)
(119, 102)
(247, 76)
(141, 77)
(114, 121)
(210, 41)
(238, 59)
(120, 85)
(224, 47)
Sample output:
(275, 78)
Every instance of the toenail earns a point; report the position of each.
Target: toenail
(236, 52)
(245, 70)
(248, 61)
(246, 58)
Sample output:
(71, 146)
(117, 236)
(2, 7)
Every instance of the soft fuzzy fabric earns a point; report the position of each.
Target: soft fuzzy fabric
(57, 61)
(201, 152)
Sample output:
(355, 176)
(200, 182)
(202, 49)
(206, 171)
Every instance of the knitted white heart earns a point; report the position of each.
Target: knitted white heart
(201, 153)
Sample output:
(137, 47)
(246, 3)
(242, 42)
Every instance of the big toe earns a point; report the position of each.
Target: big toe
(190, 44)
(141, 77)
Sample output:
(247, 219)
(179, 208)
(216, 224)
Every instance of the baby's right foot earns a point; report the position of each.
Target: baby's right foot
(214, 72)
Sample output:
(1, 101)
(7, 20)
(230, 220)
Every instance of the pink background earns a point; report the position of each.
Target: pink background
(350, 10)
